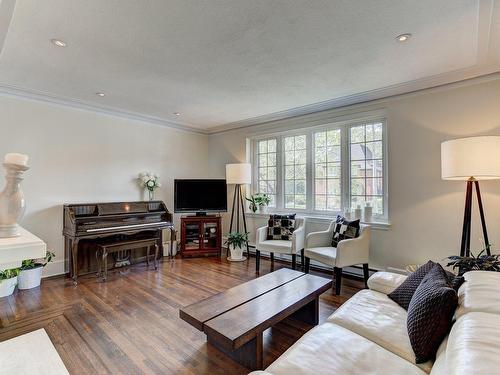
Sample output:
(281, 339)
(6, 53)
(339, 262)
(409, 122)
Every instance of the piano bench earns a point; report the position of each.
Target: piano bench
(113, 247)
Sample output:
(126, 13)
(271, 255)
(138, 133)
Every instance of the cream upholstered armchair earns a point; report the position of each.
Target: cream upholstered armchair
(349, 252)
(292, 246)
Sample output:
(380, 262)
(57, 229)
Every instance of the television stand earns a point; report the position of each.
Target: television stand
(201, 214)
(201, 236)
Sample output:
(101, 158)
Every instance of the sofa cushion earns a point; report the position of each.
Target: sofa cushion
(479, 292)
(379, 319)
(402, 294)
(473, 346)
(385, 282)
(430, 314)
(330, 349)
(280, 227)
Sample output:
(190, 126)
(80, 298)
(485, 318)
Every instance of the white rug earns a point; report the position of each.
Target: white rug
(32, 353)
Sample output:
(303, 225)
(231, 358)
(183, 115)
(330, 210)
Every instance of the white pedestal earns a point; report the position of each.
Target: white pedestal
(14, 250)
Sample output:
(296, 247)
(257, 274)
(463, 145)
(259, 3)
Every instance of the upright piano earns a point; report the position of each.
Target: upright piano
(91, 222)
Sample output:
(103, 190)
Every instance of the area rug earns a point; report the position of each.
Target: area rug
(32, 353)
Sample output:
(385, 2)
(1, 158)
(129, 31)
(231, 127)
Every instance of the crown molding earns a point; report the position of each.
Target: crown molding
(446, 80)
(46, 97)
(449, 80)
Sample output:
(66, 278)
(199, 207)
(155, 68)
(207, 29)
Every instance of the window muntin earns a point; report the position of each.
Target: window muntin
(267, 168)
(295, 171)
(367, 166)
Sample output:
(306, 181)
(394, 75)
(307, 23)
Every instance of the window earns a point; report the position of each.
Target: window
(367, 167)
(325, 169)
(266, 162)
(295, 171)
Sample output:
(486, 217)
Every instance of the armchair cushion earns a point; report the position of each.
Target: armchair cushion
(280, 227)
(344, 229)
(325, 255)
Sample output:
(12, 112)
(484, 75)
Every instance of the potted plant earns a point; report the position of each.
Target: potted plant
(259, 202)
(483, 262)
(235, 242)
(8, 281)
(150, 182)
(30, 274)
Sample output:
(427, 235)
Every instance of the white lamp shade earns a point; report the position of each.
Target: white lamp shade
(240, 173)
(477, 157)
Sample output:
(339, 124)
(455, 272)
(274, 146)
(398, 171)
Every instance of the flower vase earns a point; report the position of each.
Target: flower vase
(12, 204)
(151, 195)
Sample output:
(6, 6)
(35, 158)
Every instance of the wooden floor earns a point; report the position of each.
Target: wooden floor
(131, 324)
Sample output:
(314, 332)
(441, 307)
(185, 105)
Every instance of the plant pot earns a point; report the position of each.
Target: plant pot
(262, 209)
(7, 286)
(29, 279)
(236, 253)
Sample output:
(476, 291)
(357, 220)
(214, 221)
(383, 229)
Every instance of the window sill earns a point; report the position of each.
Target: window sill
(378, 225)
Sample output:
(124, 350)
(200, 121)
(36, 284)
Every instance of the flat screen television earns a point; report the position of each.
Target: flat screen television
(200, 196)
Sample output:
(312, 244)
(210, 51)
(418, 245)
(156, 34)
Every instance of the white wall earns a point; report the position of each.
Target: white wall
(80, 156)
(425, 212)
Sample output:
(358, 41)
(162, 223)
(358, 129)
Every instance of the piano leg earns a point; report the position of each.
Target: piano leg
(74, 260)
(156, 256)
(172, 236)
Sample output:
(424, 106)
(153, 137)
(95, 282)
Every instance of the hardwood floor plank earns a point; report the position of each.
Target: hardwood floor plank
(131, 324)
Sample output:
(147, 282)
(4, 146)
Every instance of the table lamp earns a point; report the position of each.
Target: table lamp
(238, 174)
(471, 159)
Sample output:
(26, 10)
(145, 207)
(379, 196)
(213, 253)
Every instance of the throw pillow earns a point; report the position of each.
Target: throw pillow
(430, 314)
(402, 294)
(344, 229)
(454, 280)
(280, 227)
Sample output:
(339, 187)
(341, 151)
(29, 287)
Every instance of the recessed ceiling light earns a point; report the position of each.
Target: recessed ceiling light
(101, 94)
(58, 42)
(177, 113)
(403, 37)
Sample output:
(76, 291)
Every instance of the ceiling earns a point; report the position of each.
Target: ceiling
(228, 63)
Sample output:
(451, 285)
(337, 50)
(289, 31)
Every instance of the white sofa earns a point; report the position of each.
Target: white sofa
(367, 335)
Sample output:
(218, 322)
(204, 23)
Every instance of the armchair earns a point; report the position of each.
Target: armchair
(349, 252)
(292, 246)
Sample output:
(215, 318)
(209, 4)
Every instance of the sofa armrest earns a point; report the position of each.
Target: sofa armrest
(385, 282)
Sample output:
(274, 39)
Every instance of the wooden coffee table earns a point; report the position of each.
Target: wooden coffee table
(235, 320)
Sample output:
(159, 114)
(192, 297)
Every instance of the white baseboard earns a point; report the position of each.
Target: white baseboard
(54, 268)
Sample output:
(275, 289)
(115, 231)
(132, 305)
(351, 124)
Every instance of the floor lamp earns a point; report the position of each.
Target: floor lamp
(238, 175)
(471, 159)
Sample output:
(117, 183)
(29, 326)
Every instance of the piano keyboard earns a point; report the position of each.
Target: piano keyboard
(132, 226)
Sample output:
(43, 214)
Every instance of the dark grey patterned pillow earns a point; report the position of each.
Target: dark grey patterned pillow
(280, 227)
(430, 314)
(344, 229)
(402, 294)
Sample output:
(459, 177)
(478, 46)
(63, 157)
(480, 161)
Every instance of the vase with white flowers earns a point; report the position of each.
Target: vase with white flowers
(150, 182)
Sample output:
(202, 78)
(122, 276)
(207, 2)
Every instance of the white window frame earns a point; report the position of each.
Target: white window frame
(344, 127)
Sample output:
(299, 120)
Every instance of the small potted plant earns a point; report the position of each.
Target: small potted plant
(235, 242)
(259, 202)
(483, 262)
(8, 281)
(30, 275)
(149, 181)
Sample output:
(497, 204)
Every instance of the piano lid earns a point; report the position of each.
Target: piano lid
(116, 208)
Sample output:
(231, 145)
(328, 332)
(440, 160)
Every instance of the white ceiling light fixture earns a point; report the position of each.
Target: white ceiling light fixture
(59, 42)
(403, 37)
(101, 94)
